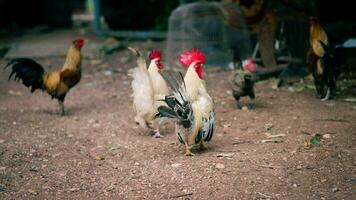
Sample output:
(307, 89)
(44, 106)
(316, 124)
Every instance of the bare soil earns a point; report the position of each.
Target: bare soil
(97, 151)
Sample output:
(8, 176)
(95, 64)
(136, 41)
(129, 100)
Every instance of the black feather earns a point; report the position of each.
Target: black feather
(171, 101)
(177, 108)
(164, 111)
(29, 71)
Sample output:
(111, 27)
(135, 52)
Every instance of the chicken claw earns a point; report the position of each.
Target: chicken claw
(157, 135)
(203, 145)
(251, 105)
(188, 153)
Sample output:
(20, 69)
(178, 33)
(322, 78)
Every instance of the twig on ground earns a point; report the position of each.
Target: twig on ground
(270, 166)
(272, 141)
(225, 151)
(181, 195)
(264, 195)
(242, 142)
(274, 136)
(333, 120)
(305, 132)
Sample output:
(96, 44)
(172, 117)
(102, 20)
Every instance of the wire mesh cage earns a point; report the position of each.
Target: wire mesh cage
(217, 29)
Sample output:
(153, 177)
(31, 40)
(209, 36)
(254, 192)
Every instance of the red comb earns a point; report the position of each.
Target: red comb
(79, 39)
(154, 54)
(186, 58)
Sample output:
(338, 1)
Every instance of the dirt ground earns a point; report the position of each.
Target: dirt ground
(97, 152)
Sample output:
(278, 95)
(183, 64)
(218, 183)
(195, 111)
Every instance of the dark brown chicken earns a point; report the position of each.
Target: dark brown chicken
(56, 83)
(243, 83)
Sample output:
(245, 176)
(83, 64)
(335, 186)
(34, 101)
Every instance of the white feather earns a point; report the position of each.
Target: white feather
(142, 93)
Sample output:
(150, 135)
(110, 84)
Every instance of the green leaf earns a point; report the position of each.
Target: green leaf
(315, 139)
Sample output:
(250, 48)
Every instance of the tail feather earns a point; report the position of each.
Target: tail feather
(179, 91)
(29, 71)
(178, 105)
(141, 62)
(164, 111)
(143, 99)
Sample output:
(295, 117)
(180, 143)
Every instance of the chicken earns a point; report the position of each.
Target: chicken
(243, 82)
(190, 104)
(56, 83)
(149, 88)
(321, 61)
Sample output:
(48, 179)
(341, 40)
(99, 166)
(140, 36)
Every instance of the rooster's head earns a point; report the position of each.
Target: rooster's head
(155, 56)
(78, 43)
(195, 58)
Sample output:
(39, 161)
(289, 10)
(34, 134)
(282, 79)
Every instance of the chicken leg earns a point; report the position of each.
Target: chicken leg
(188, 150)
(157, 124)
(61, 108)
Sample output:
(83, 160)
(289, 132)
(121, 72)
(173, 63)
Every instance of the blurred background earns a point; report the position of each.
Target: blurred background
(273, 32)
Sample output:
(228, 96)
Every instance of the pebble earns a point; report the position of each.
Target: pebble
(99, 158)
(32, 192)
(327, 136)
(335, 189)
(175, 165)
(219, 166)
(74, 189)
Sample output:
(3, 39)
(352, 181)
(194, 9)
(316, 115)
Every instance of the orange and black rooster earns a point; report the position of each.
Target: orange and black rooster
(322, 62)
(56, 83)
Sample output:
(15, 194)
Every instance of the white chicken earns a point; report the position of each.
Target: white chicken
(190, 104)
(149, 88)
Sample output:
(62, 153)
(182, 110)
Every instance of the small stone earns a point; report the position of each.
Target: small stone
(335, 189)
(99, 158)
(295, 185)
(95, 62)
(32, 192)
(219, 166)
(74, 189)
(327, 136)
(2, 141)
(107, 72)
(34, 169)
(136, 164)
(175, 165)
(114, 148)
(299, 167)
